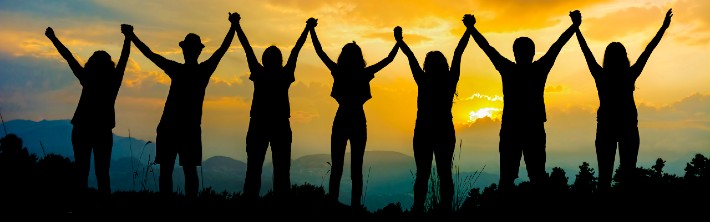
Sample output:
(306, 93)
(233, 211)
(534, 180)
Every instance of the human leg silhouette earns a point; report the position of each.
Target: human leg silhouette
(423, 155)
(510, 154)
(281, 155)
(81, 142)
(338, 144)
(605, 145)
(166, 177)
(629, 143)
(358, 143)
(166, 154)
(102, 159)
(257, 142)
(443, 154)
(535, 156)
(191, 181)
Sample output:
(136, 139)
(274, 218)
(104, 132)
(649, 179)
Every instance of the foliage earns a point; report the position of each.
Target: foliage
(31, 184)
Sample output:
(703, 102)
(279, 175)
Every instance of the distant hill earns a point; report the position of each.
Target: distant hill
(54, 136)
(388, 176)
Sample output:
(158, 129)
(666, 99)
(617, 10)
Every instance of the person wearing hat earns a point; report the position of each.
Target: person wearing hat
(179, 131)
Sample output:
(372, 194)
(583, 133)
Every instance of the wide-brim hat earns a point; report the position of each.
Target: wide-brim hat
(192, 40)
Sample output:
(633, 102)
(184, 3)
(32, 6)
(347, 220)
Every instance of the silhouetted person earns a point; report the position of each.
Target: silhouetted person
(179, 132)
(523, 126)
(434, 134)
(95, 116)
(270, 113)
(617, 117)
(351, 89)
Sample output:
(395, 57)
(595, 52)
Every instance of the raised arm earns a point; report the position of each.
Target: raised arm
(319, 50)
(468, 21)
(417, 71)
(594, 67)
(496, 58)
(293, 57)
(125, 51)
(643, 58)
(253, 63)
(159, 60)
(212, 62)
(74, 65)
(384, 62)
(548, 60)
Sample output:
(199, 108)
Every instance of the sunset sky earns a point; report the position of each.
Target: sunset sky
(672, 93)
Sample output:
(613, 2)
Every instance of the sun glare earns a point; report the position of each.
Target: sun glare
(492, 113)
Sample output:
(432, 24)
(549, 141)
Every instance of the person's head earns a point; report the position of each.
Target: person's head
(615, 57)
(351, 57)
(524, 50)
(100, 62)
(435, 63)
(272, 57)
(191, 47)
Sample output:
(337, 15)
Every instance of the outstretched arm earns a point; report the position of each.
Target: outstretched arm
(253, 63)
(159, 60)
(594, 67)
(548, 60)
(496, 58)
(212, 62)
(121, 66)
(293, 57)
(384, 62)
(319, 50)
(417, 71)
(641, 61)
(468, 21)
(74, 65)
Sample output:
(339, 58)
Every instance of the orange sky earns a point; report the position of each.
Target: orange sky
(676, 71)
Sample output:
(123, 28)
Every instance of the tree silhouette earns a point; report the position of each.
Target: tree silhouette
(558, 181)
(585, 181)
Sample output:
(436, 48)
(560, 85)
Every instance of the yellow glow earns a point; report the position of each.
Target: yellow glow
(492, 113)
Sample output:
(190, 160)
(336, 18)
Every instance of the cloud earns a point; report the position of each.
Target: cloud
(620, 23)
(521, 14)
(673, 132)
(693, 14)
(493, 15)
(554, 88)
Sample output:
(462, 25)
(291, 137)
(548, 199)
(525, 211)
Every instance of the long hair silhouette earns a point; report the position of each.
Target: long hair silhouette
(351, 89)
(434, 133)
(95, 115)
(100, 63)
(435, 62)
(351, 57)
(617, 116)
(615, 58)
